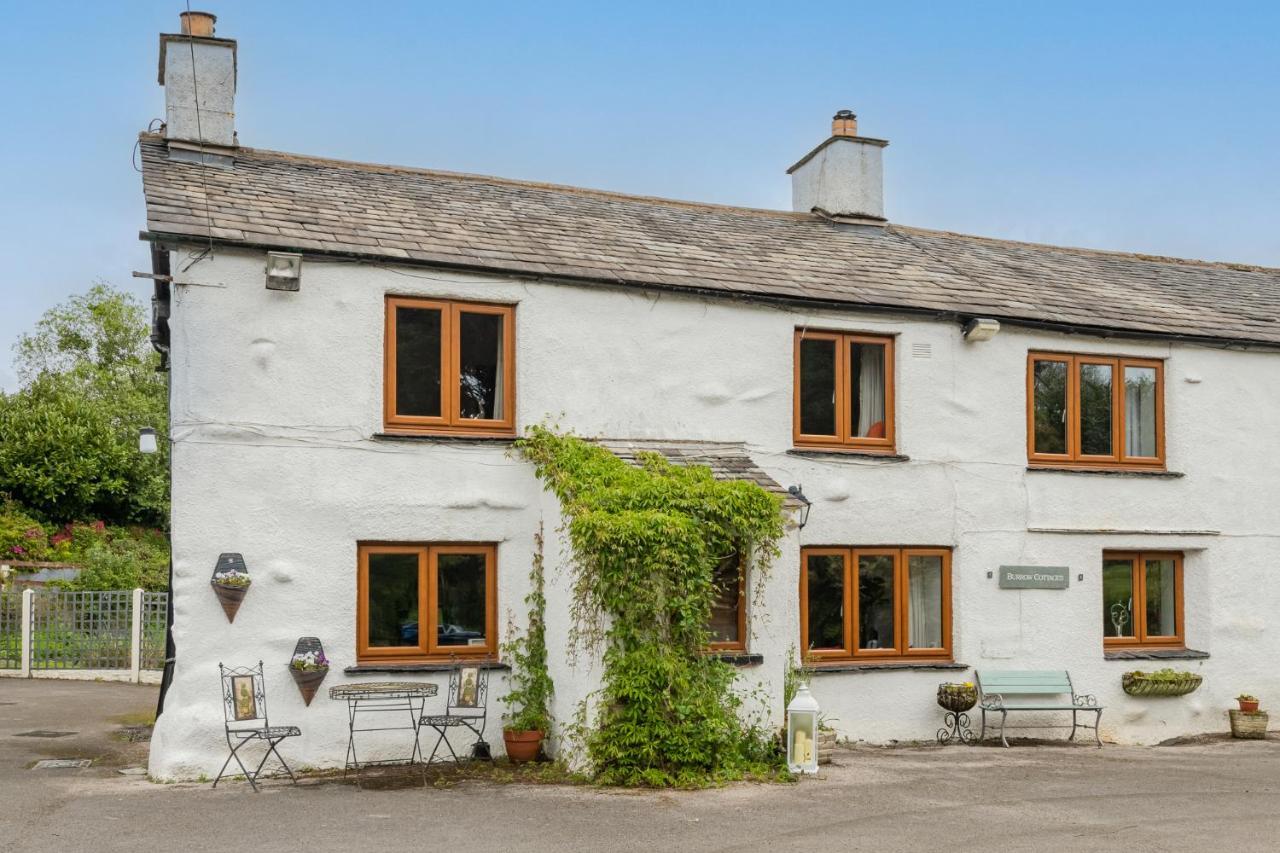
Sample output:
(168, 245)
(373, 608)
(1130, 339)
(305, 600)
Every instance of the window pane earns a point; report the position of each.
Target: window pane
(826, 601)
(1095, 409)
(875, 602)
(480, 369)
(1049, 389)
(724, 609)
(817, 387)
(1140, 411)
(418, 361)
(1117, 598)
(866, 390)
(1161, 607)
(393, 599)
(460, 599)
(924, 603)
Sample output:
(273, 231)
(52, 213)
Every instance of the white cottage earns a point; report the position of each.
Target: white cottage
(1019, 456)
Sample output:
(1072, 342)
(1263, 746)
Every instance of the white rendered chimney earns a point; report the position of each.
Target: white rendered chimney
(843, 177)
(209, 85)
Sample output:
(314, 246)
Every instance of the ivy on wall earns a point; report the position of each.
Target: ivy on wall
(646, 540)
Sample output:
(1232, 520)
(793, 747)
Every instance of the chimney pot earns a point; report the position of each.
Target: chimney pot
(198, 24)
(844, 123)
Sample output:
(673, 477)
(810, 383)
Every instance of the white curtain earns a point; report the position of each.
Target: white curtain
(500, 380)
(1139, 411)
(870, 387)
(924, 598)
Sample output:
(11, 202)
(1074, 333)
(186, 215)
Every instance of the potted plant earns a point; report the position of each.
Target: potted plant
(1247, 721)
(528, 717)
(1162, 682)
(230, 582)
(308, 666)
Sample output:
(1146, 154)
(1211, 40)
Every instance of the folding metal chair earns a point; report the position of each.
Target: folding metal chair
(465, 708)
(244, 703)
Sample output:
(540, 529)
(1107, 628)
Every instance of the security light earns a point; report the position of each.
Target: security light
(147, 440)
(981, 329)
(284, 271)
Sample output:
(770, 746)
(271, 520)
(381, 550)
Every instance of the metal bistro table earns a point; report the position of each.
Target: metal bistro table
(383, 697)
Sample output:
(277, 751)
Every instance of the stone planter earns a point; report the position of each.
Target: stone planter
(1250, 725)
(826, 745)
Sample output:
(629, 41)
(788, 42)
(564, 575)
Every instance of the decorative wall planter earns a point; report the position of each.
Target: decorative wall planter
(1144, 684)
(230, 582)
(308, 666)
(1251, 725)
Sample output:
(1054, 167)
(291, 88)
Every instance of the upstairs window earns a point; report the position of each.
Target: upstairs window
(1141, 598)
(875, 603)
(844, 391)
(1095, 411)
(449, 367)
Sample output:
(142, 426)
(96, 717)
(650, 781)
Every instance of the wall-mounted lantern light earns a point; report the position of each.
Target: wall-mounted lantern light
(805, 504)
(981, 329)
(147, 440)
(284, 271)
(802, 732)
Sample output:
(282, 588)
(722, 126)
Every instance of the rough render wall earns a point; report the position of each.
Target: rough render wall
(276, 397)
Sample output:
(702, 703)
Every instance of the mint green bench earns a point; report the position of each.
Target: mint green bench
(1042, 690)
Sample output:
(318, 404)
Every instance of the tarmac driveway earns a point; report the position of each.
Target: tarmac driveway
(1214, 795)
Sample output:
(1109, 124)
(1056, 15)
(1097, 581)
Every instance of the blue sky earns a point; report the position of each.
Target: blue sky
(1148, 127)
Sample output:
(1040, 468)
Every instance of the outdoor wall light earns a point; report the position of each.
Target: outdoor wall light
(981, 329)
(802, 732)
(147, 440)
(806, 504)
(284, 271)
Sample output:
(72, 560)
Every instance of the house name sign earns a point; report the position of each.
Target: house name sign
(1034, 577)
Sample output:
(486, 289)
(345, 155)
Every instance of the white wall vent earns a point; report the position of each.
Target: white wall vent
(922, 350)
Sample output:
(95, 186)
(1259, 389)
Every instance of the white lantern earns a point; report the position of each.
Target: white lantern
(147, 440)
(802, 732)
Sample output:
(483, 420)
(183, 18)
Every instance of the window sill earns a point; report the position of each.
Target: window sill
(1157, 473)
(737, 658)
(885, 666)
(423, 666)
(450, 438)
(840, 453)
(1154, 654)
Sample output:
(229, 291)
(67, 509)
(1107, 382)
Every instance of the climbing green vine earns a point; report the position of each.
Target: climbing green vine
(646, 539)
(529, 699)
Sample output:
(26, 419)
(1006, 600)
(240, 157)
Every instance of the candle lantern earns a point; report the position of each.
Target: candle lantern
(802, 732)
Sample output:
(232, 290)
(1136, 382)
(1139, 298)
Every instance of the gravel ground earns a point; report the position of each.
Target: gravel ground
(1208, 794)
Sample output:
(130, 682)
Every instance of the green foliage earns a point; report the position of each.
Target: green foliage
(646, 542)
(22, 537)
(529, 699)
(68, 436)
(120, 558)
(1160, 675)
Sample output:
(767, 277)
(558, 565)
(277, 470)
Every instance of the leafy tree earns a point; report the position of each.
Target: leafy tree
(68, 436)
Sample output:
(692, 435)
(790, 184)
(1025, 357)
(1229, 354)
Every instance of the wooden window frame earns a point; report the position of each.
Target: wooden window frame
(1138, 570)
(851, 652)
(843, 440)
(450, 420)
(428, 561)
(740, 644)
(1073, 457)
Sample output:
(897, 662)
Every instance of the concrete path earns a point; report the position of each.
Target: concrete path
(1217, 795)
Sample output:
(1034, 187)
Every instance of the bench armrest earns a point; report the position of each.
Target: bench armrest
(992, 702)
(1084, 700)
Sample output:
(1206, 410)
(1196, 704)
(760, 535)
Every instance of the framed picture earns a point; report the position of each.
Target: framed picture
(468, 687)
(243, 699)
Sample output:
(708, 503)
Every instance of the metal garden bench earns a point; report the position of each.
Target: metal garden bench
(1042, 687)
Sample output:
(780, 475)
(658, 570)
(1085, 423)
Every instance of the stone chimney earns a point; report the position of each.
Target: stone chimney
(843, 177)
(198, 72)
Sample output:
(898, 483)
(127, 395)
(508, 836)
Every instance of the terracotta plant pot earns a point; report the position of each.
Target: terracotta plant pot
(522, 746)
(1248, 706)
(229, 597)
(308, 681)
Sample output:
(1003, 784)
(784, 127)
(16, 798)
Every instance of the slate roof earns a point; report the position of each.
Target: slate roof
(393, 214)
(727, 460)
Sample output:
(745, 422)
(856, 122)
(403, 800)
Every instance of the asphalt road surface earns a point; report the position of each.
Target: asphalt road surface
(1215, 795)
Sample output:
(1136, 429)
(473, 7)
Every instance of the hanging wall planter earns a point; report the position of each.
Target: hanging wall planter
(230, 582)
(1164, 682)
(308, 666)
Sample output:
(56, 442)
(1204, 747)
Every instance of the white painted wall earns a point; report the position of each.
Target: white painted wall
(277, 397)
